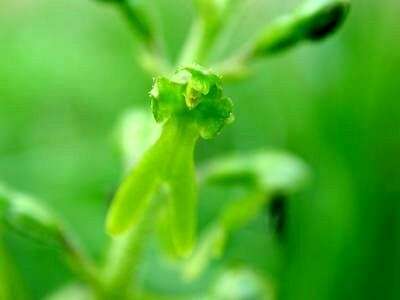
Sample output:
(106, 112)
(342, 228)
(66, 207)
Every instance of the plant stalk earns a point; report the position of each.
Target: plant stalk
(124, 257)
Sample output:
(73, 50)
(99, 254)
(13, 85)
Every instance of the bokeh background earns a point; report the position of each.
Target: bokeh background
(68, 71)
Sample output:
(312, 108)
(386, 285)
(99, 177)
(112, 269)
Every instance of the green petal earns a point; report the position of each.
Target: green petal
(135, 192)
(183, 207)
(179, 176)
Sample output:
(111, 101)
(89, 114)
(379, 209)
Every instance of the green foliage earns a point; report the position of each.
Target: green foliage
(25, 215)
(11, 286)
(162, 188)
(264, 174)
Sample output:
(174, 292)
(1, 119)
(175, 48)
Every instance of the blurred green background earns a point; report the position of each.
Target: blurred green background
(68, 70)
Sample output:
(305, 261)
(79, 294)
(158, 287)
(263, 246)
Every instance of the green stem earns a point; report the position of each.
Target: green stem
(124, 257)
(152, 58)
(199, 42)
(81, 264)
(138, 22)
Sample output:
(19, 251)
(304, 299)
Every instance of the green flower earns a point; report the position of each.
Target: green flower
(189, 104)
(195, 94)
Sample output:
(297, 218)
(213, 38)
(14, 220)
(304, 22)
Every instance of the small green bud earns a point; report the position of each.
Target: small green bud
(196, 94)
(324, 18)
(313, 21)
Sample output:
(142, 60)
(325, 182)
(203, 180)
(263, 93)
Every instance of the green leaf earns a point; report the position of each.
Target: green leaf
(11, 286)
(25, 215)
(313, 21)
(28, 217)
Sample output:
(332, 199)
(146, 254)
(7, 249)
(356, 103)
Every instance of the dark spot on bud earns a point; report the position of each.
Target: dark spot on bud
(328, 21)
(277, 211)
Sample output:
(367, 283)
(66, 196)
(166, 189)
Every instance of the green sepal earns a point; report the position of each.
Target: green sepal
(11, 283)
